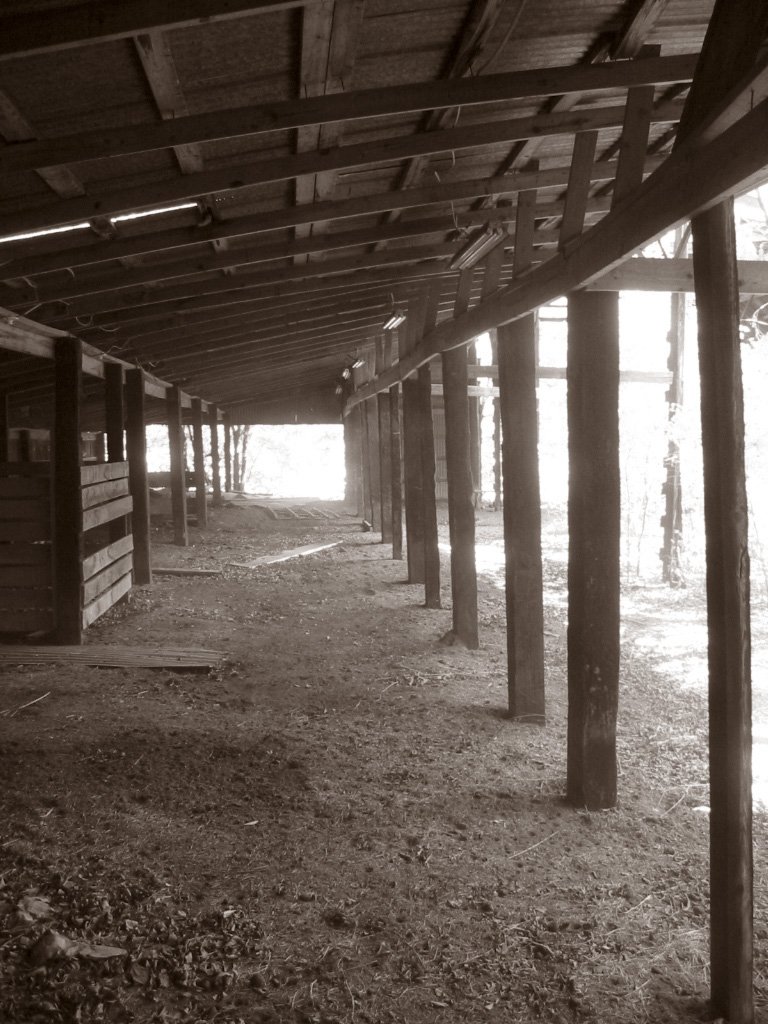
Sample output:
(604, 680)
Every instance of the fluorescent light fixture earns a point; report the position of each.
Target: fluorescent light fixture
(395, 319)
(479, 245)
(151, 213)
(45, 231)
(358, 363)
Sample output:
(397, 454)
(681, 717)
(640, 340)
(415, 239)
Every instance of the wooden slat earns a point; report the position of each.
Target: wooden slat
(106, 556)
(117, 656)
(107, 577)
(102, 471)
(22, 598)
(106, 513)
(23, 487)
(25, 554)
(97, 494)
(28, 509)
(32, 620)
(11, 531)
(102, 604)
(26, 575)
(11, 469)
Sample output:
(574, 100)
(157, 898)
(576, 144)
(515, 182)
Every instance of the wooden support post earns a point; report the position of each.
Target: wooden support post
(461, 506)
(372, 459)
(522, 519)
(672, 520)
(115, 423)
(198, 454)
(68, 546)
(4, 426)
(136, 444)
(427, 444)
(213, 422)
(411, 429)
(227, 453)
(475, 453)
(593, 563)
(496, 430)
(728, 617)
(350, 483)
(178, 469)
(397, 472)
(383, 362)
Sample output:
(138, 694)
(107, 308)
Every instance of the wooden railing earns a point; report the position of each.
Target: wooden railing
(26, 573)
(107, 573)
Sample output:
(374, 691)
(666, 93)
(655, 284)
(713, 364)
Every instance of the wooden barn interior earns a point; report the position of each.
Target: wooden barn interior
(306, 211)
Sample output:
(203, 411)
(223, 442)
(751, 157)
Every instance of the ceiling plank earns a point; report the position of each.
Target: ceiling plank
(15, 129)
(95, 21)
(191, 186)
(290, 114)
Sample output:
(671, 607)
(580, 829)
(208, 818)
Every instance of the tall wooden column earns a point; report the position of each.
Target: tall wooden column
(383, 361)
(68, 544)
(496, 429)
(396, 467)
(475, 453)
(522, 519)
(593, 562)
(4, 426)
(728, 619)
(461, 507)
(136, 445)
(115, 423)
(178, 469)
(227, 453)
(427, 444)
(370, 411)
(353, 444)
(414, 500)
(213, 423)
(198, 454)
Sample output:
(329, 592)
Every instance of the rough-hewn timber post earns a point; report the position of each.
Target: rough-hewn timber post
(522, 519)
(672, 520)
(372, 453)
(227, 453)
(115, 424)
(475, 453)
(198, 454)
(730, 684)
(427, 438)
(594, 518)
(461, 507)
(396, 468)
(136, 444)
(68, 493)
(496, 429)
(4, 426)
(213, 423)
(178, 469)
(411, 431)
(383, 361)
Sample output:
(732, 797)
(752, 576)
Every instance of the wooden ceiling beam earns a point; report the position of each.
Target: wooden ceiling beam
(191, 186)
(94, 21)
(114, 142)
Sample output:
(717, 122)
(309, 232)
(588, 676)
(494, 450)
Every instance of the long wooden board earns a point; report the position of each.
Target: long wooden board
(97, 494)
(104, 602)
(25, 509)
(285, 556)
(111, 656)
(13, 531)
(23, 487)
(101, 471)
(22, 598)
(26, 575)
(25, 554)
(101, 559)
(106, 513)
(99, 583)
(31, 620)
(10, 469)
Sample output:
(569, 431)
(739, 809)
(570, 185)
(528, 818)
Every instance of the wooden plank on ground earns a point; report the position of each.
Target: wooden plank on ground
(107, 577)
(100, 559)
(102, 604)
(187, 572)
(111, 656)
(106, 513)
(284, 556)
(97, 494)
(102, 471)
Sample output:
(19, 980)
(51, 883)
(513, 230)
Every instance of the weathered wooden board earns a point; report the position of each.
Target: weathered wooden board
(106, 513)
(31, 620)
(97, 494)
(186, 572)
(22, 598)
(20, 531)
(23, 487)
(284, 556)
(104, 602)
(26, 575)
(101, 559)
(109, 656)
(26, 509)
(39, 469)
(25, 554)
(99, 583)
(102, 471)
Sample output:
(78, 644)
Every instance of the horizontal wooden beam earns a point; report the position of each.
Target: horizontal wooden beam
(95, 21)
(675, 275)
(365, 154)
(314, 110)
(695, 177)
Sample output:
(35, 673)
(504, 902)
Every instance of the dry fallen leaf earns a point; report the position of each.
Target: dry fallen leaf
(51, 946)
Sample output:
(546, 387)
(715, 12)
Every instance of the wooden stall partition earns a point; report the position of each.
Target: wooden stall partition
(26, 570)
(106, 570)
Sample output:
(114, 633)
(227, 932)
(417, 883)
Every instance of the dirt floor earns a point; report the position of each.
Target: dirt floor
(341, 825)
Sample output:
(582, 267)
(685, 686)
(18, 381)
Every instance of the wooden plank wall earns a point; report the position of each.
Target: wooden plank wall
(107, 571)
(26, 572)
